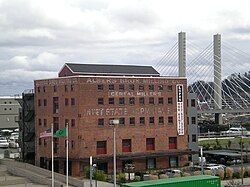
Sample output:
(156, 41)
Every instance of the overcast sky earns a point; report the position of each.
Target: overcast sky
(38, 36)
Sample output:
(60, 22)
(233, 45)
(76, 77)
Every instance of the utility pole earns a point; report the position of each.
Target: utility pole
(182, 54)
(241, 156)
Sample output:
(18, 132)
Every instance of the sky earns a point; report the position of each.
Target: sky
(39, 36)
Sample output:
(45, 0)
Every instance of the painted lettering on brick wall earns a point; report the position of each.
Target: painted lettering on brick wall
(119, 111)
(133, 94)
(130, 81)
(180, 109)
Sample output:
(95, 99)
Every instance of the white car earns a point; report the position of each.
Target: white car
(4, 143)
(237, 131)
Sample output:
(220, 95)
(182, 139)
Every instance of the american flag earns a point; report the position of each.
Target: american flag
(46, 133)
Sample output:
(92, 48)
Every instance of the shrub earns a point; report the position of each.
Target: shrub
(176, 175)
(242, 172)
(207, 172)
(163, 176)
(153, 177)
(229, 173)
(236, 175)
(99, 175)
(137, 178)
(121, 178)
(197, 173)
(221, 174)
(186, 174)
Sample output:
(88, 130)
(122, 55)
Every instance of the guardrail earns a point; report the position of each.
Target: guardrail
(218, 135)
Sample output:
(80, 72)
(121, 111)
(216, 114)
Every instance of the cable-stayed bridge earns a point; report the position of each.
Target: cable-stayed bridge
(219, 74)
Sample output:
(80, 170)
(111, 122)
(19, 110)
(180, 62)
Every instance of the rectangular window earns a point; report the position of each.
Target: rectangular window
(161, 120)
(160, 101)
(44, 89)
(65, 88)
(151, 100)
(126, 145)
(170, 100)
(38, 89)
(55, 105)
(101, 147)
(141, 101)
(45, 122)
(142, 120)
(170, 120)
(55, 88)
(193, 120)
(131, 100)
(40, 141)
(151, 87)
(160, 88)
(172, 142)
(122, 101)
(111, 87)
(169, 88)
(187, 120)
(150, 144)
(193, 138)
(73, 101)
(122, 121)
(39, 122)
(72, 87)
(131, 87)
(72, 144)
(73, 122)
(66, 101)
(100, 122)
(100, 87)
(66, 122)
(39, 102)
(45, 142)
(193, 102)
(112, 101)
(151, 120)
(132, 121)
(100, 101)
(141, 87)
(151, 163)
(121, 87)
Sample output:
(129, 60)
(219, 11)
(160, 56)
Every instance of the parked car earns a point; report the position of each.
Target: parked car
(237, 131)
(4, 143)
(173, 171)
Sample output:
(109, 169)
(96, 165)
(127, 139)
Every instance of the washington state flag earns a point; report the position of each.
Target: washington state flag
(61, 133)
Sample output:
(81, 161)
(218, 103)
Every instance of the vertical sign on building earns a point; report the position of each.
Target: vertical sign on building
(180, 109)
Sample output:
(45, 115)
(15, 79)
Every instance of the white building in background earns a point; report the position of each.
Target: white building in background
(9, 112)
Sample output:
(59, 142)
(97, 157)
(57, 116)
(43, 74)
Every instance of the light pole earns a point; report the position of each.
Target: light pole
(114, 122)
(241, 156)
(202, 168)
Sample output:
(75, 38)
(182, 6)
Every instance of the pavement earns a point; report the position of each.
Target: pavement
(246, 182)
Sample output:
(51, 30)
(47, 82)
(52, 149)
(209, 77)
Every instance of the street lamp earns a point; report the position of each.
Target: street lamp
(202, 168)
(114, 122)
(241, 156)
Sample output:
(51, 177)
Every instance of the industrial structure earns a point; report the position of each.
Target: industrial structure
(152, 110)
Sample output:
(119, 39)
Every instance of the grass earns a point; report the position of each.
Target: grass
(223, 142)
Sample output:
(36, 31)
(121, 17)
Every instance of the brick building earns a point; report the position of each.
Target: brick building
(152, 130)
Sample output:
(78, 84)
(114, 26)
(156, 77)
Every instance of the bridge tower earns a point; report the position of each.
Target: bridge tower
(182, 54)
(217, 77)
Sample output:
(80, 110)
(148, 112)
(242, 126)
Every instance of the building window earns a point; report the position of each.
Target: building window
(9, 108)
(44, 89)
(141, 101)
(160, 101)
(151, 120)
(39, 102)
(141, 87)
(73, 101)
(39, 122)
(142, 120)
(45, 102)
(100, 87)
(121, 87)
(187, 120)
(45, 142)
(169, 88)
(101, 147)
(38, 90)
(72, 87)
(73, 122)
(132, 121)
(66, 101)
(131, 87)
(150, 144)
(161, 120)
(192, 102)
(40, 141)
(45, 122)
(66, 122)
(100, 122)
(170, 120)
(111, 87)
(193, 138)
(151, 87)
(170, 100)
(160, 88)
(100, 101)
(111, 101)
(72, 144)
(193, 120)
(65, 88)
(55, 88)
(172, 142)
(131, 100)
(151, 100)
(121, 101)
(55, 105)
(126, 145)
(151, 163)
(122, 121)
(5, 108)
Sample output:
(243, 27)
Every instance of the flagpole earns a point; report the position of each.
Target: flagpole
(52, 153)
(67, 156)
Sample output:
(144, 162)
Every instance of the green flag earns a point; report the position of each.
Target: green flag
(61, 133)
